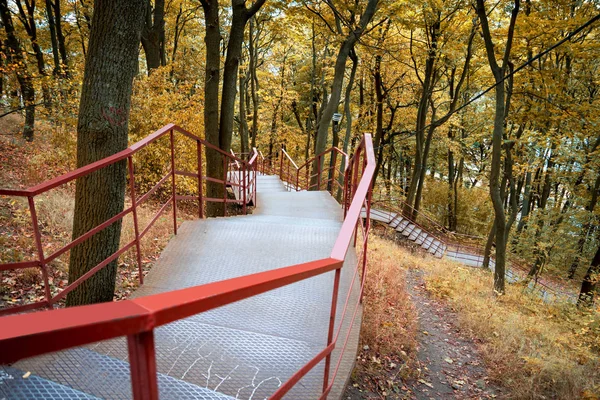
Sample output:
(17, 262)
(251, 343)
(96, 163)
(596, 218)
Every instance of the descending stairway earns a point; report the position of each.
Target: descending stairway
(241, 351)
(409, 229)
(466, 255)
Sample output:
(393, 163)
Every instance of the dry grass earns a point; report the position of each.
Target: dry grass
(388, 333)
(535, 350)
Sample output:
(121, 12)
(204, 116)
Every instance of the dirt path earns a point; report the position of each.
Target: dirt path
(450, 367)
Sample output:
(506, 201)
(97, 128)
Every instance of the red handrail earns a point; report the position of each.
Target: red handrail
(246, 183)
(27, 335)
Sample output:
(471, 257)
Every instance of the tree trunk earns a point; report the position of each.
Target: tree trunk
(23, 77)
(586, 227)
(526, 203)
(240, 17)
(214, 164)
(243, 119)
(498, 137)
(62, 48)
(253, 80)
(153, 35)
(102, 131)
(53, 39)
(336, 87)
(588, 286)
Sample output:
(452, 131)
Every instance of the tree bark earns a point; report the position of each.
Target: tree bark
(588, 286)
(243, 119)
(214, 164)
(240, 17)
(153, 35)
(23, 77)
(53, 38)
(498, 136)
(336, 87)
(102, 131)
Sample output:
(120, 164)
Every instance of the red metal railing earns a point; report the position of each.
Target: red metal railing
(245, 183)
(328, 177)
(27, 335)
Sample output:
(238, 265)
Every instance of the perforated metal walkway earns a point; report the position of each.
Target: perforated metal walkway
(245, 350)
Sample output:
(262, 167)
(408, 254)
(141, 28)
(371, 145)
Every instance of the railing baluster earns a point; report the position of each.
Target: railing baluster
(224, 185)
(135, 218)
(319, 168)
(40, 249)
(142, 361)
(200, 185)
(173, 184)
(244, 184)
(334, 298)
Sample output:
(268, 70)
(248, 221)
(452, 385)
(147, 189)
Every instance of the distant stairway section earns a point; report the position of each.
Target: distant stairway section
(464, 249)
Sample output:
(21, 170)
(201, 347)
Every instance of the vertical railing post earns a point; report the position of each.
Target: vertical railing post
(308, 177)
(281, 163)
(142, 361)
(333, 168)
(224, 185)
(200, 185)
(244, 184)
(173, 181)
(297, 180)
(330, 332)
(289, 164)
(319, 169)
(346, 187)
(254, 182)
(355, 184)
(135, 218)
(40, 249)
(366, 239)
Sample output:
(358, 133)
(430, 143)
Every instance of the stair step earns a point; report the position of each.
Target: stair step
(396, 221)
(427, 242)
(414, 234)
(402, 226)
(92, 375)
(421, 237)
(14, 387)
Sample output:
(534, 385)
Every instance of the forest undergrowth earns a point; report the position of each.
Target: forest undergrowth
(23, 165)
(532, 349)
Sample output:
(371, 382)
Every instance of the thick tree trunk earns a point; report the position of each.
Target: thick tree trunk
(214, 164)
(253, 80)
(153, 35)
(240, 17)
(23, 77)
(102, 130)
(243, 119)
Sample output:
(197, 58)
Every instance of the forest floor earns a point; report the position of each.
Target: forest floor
(433, 329)
(443, 362)
(23, 165)
(450, 364)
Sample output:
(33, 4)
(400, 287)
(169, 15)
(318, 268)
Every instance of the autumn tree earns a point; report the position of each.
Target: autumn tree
(102, 130)
(499, 71)
(16, 58)
(357, 24)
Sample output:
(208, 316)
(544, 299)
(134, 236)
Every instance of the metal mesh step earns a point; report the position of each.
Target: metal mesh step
(84, 374)
(14, 387)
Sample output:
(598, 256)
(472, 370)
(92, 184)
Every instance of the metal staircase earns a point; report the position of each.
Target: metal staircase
(265, 305)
